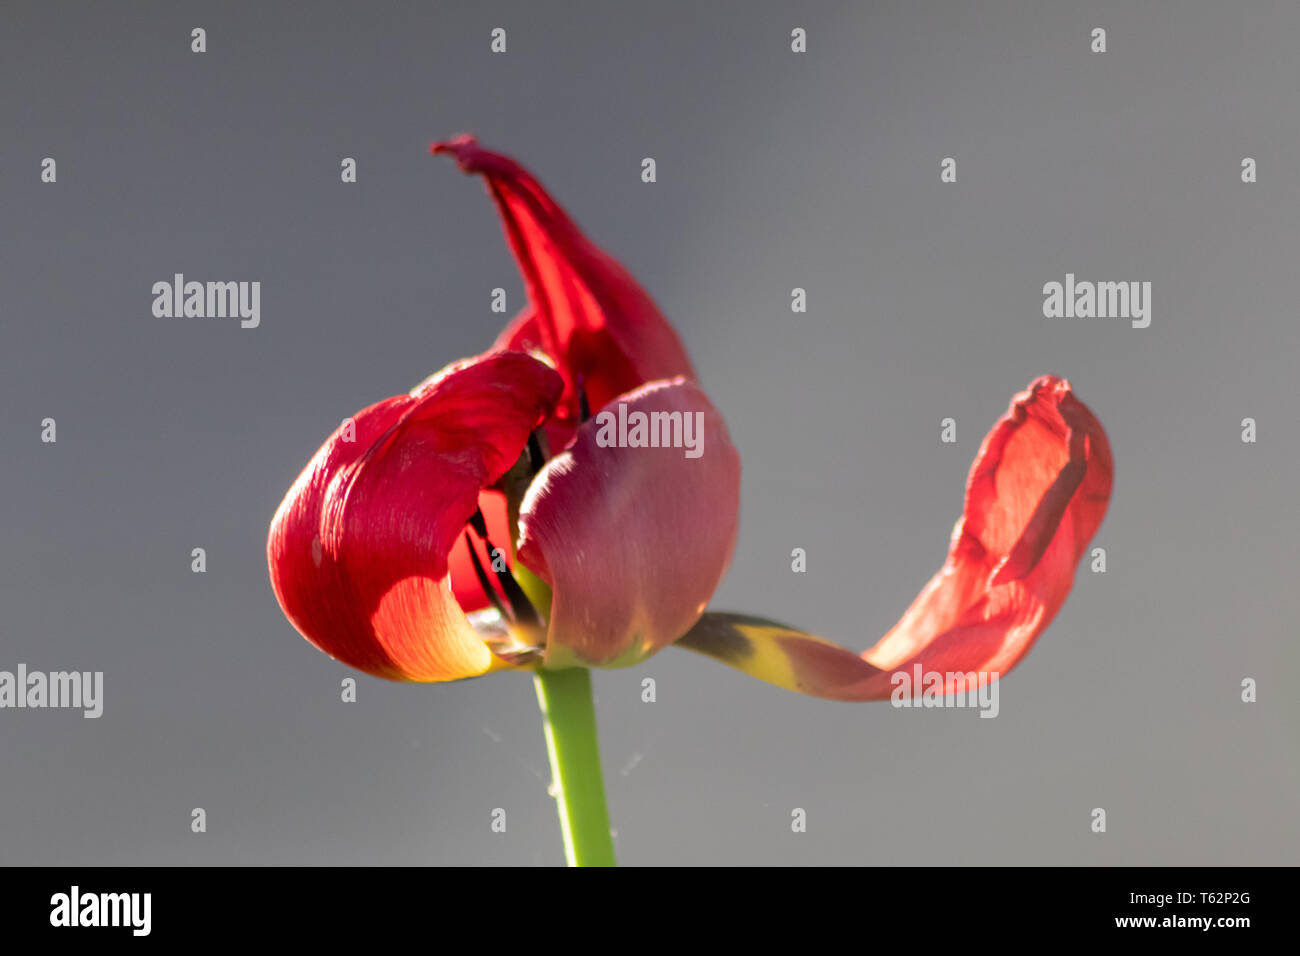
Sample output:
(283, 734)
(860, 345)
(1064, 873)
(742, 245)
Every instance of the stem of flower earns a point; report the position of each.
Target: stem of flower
(569, 717)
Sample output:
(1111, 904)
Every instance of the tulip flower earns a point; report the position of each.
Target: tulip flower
(486, 522)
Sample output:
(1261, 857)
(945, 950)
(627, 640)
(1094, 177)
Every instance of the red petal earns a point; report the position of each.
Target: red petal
(358, 548)
(523, 335)
(587, 313)
(1036, 495)
(464, 582)
(632, 541)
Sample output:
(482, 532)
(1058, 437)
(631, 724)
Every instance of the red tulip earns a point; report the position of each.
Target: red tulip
(1035, 496)
(396, 551)
(413, 551)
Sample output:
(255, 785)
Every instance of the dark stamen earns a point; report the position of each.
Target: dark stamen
(536, 457)
(483, 580)
(520, 608)
(584, 410)
(478, 524)
(518, 600)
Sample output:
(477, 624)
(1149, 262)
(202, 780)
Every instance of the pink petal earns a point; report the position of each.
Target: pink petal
(633, 541)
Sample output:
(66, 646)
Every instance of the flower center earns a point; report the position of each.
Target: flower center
(515, 627)
(510, 601)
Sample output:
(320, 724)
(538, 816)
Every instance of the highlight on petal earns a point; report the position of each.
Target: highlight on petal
(358, 550)
(586, 312)
(631, 529)
(1036, 494)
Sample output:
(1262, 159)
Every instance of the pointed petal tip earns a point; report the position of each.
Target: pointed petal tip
(585, 310)
(469, 156)
(453, 142)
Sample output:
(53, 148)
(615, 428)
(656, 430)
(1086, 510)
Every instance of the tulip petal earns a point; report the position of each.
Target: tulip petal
(464, 581)
(1036, 494)
(586, 312)
(632, 540)
(358, 550)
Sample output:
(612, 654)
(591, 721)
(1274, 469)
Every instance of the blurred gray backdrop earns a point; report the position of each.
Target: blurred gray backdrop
(775, 170)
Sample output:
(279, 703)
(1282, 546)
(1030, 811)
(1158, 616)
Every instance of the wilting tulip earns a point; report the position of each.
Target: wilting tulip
(484, 522)
(390, 550)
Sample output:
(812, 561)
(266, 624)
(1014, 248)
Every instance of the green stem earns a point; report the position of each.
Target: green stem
(570, 722)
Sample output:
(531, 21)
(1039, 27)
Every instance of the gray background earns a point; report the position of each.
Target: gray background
(775, 170)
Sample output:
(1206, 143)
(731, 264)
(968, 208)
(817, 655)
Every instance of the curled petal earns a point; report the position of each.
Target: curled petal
(586, 312)
(358, 550)
(1036, 494)
(633, 540)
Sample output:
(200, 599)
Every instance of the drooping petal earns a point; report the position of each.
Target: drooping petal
(633, 540)
(1036, 494)
(586, 312)
(358, 549)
